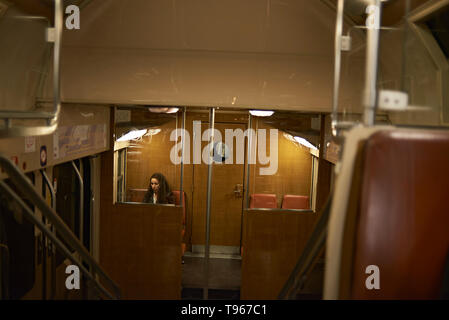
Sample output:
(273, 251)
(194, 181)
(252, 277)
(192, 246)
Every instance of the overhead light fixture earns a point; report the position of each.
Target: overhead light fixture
(261, 113)
(163, 109)
(152, 132)
(133, 135)
(305, 143)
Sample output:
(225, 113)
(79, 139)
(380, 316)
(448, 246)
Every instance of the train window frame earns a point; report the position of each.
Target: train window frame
(315, 157)
(120, 155)
(417, 23)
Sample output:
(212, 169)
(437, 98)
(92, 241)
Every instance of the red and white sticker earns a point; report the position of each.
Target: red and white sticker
(30, 144)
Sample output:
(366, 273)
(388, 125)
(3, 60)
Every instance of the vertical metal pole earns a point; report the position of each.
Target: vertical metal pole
(404, 44)
(56, 59)
(53, 248)
(81, 212)
(50, 187)
(209, 190)
(337, 64)
(312, 183)
(183, 126)
(249, 159)
(372, 55)
(44, 244)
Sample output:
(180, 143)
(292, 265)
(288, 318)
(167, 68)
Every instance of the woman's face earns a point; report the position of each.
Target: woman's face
(155, 185)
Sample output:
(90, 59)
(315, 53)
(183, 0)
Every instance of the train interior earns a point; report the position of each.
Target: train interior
(303, 147)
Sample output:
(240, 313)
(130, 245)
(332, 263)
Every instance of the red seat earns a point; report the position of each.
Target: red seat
(292, 201)
(391, 230)
(262, 200)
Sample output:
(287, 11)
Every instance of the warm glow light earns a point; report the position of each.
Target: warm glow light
(152, 132)
(261, 113)
(305, 143)
(132, 135)
(163, 110)
(172, 110)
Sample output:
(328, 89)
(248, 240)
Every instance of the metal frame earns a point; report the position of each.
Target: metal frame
(51, 246)
(209, 199)
(27, 188)
(183, 126)
(433, 49)
(372, 57)
(337, 65)
(51, 117)
(81, 210)
(248, 161)
(372, 60)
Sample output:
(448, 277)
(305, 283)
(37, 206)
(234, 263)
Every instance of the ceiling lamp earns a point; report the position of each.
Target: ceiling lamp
(152, 132)
(261, 113)
(305, 143)
(163, 110)
(133, 135)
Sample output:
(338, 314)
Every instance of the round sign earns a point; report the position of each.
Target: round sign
(221, 152)
(43, 156)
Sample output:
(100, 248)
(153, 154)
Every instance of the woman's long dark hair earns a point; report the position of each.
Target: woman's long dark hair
(164, 195)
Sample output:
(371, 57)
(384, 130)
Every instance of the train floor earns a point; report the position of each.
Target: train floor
(223, 279)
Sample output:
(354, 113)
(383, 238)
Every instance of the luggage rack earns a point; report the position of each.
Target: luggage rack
(51, 118)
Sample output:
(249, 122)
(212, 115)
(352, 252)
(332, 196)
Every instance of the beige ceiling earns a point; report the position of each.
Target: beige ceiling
(275, 54)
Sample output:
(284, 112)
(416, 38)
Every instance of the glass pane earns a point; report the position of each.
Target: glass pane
(413, 61)
(24, 60)
(146, 134)
(286, 145)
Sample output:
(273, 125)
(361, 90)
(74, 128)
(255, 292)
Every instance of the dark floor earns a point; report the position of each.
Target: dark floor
(224, 278)
(213, 294)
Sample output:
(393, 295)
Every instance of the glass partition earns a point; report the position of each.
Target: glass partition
(147, 147)
(24, 60)
(285, 159)
(414, 61)
(394, 58)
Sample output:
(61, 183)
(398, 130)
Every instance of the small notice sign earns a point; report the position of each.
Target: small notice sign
(30, 144)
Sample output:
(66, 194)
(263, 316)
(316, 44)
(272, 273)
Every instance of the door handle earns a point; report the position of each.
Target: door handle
(238, 190)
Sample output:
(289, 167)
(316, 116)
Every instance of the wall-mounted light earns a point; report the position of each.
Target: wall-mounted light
(305, 143)
(261, 113)
(152, 132)
(132, 135)
(163, 110)
(300, 140)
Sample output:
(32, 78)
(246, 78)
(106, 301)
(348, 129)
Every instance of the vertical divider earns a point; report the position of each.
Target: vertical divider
(209, 190)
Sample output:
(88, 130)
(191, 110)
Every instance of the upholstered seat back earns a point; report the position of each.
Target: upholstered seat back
(260, 200)
(292, 201)
(402, 220)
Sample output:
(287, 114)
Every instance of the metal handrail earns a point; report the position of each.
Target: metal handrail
(337, 65)
(52, 247)
(81, 209)
(313, 247)
(51, 117)
(63, 230)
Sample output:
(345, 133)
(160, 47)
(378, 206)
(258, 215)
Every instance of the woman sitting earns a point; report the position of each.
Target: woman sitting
(158, 191)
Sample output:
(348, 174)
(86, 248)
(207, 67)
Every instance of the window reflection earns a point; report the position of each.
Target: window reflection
(142, 150)
(293, 184)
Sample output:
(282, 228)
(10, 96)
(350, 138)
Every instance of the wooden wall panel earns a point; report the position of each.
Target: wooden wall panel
(140, 244)
(143, 250)
(272, 243)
